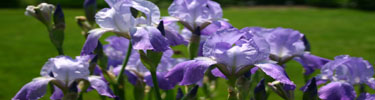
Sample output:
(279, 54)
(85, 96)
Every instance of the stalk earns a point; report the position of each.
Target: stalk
(120, 78)
(232, 91)
(155, 82)
(193, 46)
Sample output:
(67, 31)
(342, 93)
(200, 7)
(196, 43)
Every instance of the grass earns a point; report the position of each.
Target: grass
(25, 46)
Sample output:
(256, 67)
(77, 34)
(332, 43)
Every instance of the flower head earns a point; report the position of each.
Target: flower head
(284, 43)
(349, 69)
(234, 52)
(64, 72)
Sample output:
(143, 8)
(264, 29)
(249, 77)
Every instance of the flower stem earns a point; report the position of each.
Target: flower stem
(232, 91)
(193, 46)
(120, 78)
(155, 82)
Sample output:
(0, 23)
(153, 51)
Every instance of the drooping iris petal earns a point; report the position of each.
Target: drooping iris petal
(33, 90)
(172, 34)
(57, 94)
(349, 69)
(277, 73)
(149, 38)
(337, 91)
(189, 72)
(311, 62)
(92, 40)
(99, 85)
(163, 82)
(216, 72)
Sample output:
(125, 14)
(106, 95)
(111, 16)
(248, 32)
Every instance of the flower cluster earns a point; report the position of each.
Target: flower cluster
(146, 52)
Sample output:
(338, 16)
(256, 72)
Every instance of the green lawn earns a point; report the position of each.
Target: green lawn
(25, 46)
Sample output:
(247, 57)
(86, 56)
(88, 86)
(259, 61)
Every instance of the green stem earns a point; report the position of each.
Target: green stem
(232, 91)
(120, 78)
(155, 82)
(193, 46)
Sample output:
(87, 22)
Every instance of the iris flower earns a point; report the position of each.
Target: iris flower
(352, 70)
(233, 55)
(142, 32)
(287, 44)
(64, 72)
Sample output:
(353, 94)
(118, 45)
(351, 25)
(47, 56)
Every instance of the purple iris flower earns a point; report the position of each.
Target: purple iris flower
(195, 13)
(352, 70)
(137, 71)
(64, 72)
(287, 44)
(337, 91)
(227, 48)
(118, 19)
(284, 43)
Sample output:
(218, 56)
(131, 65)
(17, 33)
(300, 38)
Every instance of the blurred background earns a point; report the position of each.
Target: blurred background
(333, 27)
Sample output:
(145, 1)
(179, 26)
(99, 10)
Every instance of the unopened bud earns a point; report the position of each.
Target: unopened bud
(42, 12)
(57, 33)
(260, 91)
(90, 10)
(58, 18)
(310, 90)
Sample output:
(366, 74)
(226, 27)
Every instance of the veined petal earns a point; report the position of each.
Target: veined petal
(33, 90)
(276, 72)
(337, 91)
(104, 18)
(99, 85)
(92, 40)
(221, 41)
